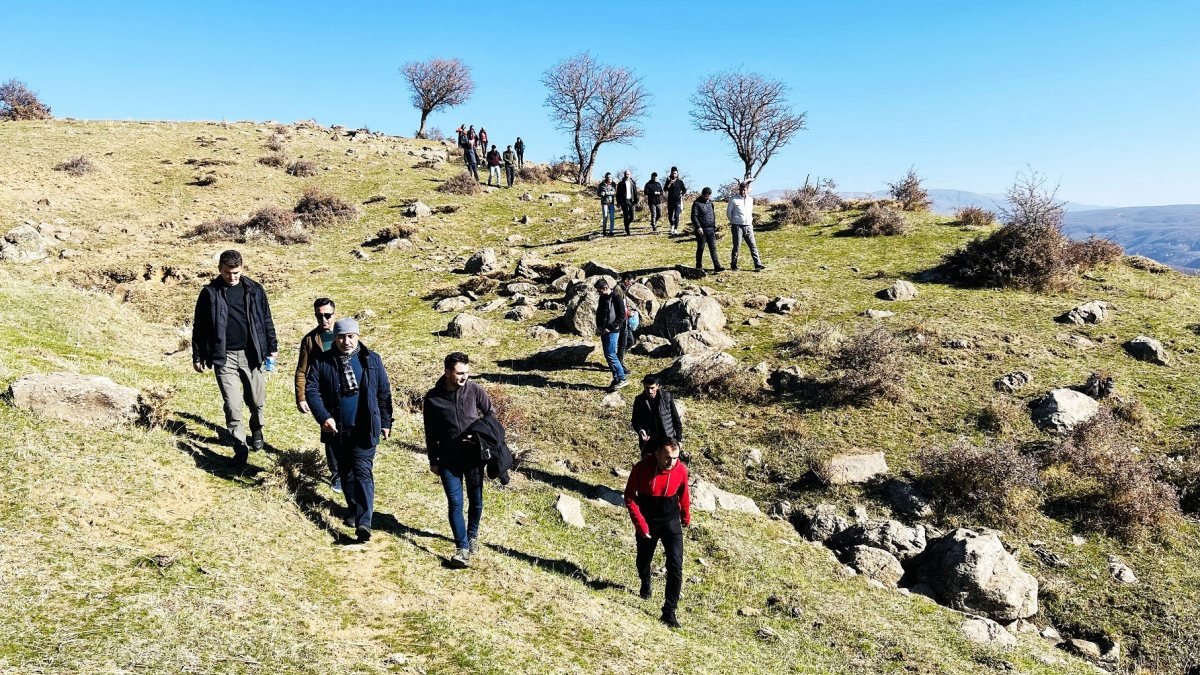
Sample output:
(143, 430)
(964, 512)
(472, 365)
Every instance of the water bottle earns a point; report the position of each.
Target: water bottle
(270, 364)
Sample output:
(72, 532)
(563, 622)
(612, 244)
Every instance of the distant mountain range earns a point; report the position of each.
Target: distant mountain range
(1168, 234)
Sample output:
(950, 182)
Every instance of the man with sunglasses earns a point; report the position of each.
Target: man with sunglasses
(318, 341)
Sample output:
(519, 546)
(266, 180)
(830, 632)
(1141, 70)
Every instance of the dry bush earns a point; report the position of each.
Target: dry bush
(274, 144)
(994, 484)
(1092, 253)
(1000, 417)
(511, 416)
(879, 221)
(204, 180)
(1134, 414)
(974, 216)
(1141, 262)
(435, 134)
(1031, 257)
(275, 161)
(1158, 293)
(318, 208)
(302, 168)
(909, 192)
(462, 184)
(202, 162)
(870, 366)
(155, 402)
(282, 130)
(19, 102)
(479, 285)
(815, 339)
(534, 173)
(396, 231)
(1183, 473)
(272, 221)
(806, 205)
(221, 228)
(563, 168)
(735, 386)
(76, 166)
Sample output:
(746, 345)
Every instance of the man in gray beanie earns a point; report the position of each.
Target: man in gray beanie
(348, 392)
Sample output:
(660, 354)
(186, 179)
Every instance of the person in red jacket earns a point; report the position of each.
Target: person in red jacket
(659, 502)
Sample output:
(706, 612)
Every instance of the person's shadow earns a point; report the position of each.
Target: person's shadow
(559, 566)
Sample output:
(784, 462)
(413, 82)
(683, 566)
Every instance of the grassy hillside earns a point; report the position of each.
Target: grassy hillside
(141, 549)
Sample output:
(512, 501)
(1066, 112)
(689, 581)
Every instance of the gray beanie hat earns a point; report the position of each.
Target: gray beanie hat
(345, 326)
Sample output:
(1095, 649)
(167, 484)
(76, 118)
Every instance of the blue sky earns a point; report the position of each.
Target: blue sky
(1103, 96)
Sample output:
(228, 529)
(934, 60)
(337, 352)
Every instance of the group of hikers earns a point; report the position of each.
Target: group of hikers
(475, 144)
(739, 211)
(344, 386)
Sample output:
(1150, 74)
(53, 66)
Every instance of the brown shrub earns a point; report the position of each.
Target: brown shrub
(1134, 413)
(274, 144)
(736, 386)
(1092, 253)
(1158, 293)
(870, 366)
(1141, 262)
(879, 221)
(511, 416)
(317, 208)
(1030, 257)
(995, 483)
(19, 102)
(534, 173)
(806, 205)
(272, 221)
(479, 285)
(221, 228)
(462, 184)
(204, 180)
(156, 408)
(999, 417)
(563, 168)
(302, 168)
(974, 216)
(909, 192)
(76, 166)
(814, 339)
(396, 231)
(1183, 473)
(275, 161)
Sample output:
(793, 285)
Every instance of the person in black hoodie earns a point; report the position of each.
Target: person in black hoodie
(655, 415)
(654, 192)
(233, 333)
(704, 220)
(348, 392)
(627, 199)
(675, 191)
(449, 410)
(610, 324)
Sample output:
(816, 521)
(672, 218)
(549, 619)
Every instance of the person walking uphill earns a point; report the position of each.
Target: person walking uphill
(350, 397)
(675, 190)
(659, 503)
(233, 333)
(606, 191)
(627, 199)
(510, 165)
(449, 409)
(655, 416)
(318, 341)
(654, 192)
(740, 213)
(704, 220)
(610, 324)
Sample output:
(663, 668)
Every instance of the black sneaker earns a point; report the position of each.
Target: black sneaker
(760, 268)
(669, 619)
(336, 484)
(645, 592)
(718, 269)
(624, 382)
(363, 534)
(256, 440)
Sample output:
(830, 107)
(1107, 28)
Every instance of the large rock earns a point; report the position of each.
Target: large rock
(781, 305)
(906, 500)
(644, 301)
(84, 399)
(453, 304)
(1145, 348)
(563, 356)
(594, 269)
(1094, 312)
(696, 371)
(988, 633)
(24, 244)
(557, 198)
(709, 497)
(819, 523)
(904, 542)
(874, 563)
(665, 285)
(520, 313)
(700, 341)
(482, 262)
(899, 291)
(652, 346)
(1061, 410)
(570, 510)
(972, 572)
(418, 209)
(853, 468)
(465, 325)
(581, 301)
(690, 312)
(522, 288)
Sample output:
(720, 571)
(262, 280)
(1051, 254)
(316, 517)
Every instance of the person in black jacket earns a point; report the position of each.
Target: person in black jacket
(704, 220)
(348, 392)
(675, 191)
(654, 192)
(449, 410)
(610, 324)
(519, 146)
(655, 415)
(233, 333)
(627, 199)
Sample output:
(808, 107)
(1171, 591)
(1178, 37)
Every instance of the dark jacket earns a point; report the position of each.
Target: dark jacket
(493, 158)
(658, 416)
(519, 146)
(493, 449)
(607, 193)
(627, 195)
(323, 391)
(212, 313)
(610, 313)
(447, 417)
(703, 216)
(653, 191)
(675, 191)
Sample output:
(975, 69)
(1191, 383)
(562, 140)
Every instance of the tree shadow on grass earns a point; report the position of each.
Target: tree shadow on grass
(537, 381)
(559, 566)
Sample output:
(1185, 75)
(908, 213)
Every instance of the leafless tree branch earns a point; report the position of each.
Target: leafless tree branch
(437, 83)
(752, 111)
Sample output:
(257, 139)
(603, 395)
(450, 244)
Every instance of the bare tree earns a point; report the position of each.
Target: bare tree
(19, 102)
(752, 111)
(908, 191)
(437, 83)
(1031, 203)
(596, 104)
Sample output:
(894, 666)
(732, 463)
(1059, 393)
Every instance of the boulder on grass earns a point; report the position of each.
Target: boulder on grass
(652, 346)
(709, 497)
(690, 312)
(874, 563)
(1094, 312)
(1062, 410)
(665, 285)
(819, 523)
(89, 400)
(852, 468)
(482, 262)
(466, 325)
(1147, 349)
(570, 510)
(898, 292)
(694, 372)
(700, 341)
(972, 572)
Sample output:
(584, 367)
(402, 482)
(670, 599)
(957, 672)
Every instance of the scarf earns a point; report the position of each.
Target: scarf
(349, 382)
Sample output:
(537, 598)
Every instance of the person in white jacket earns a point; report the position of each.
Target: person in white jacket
(740, 213)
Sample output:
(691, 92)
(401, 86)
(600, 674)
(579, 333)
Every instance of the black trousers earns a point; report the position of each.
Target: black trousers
(627, 215)
(672, 541)
(655, 215)
(703, 236)
(509, 173)
(356, 468)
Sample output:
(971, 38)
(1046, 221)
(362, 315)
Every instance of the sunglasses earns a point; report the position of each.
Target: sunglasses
(325, 315)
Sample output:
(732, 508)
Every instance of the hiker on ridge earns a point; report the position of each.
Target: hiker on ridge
(654, 192)
(318, 341)
(675, 191)
(510, 165)
(493, 162)
(519, 146)
(704, 220)
(740, 213)
(659, 503)
(627, 199)
(610, 324)
(607, 192)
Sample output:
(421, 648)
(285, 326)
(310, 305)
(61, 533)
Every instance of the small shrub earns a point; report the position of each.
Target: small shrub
(511, 416)
(221, 228)
(870, 366)
(999, 417)
(1183, 473)
(994, 483)
(479, 285)
(736, 386)
(816, 339)
(879, 221)
(534, 173)
(806, 205)
(204, 180)
(1030, 257)
(1158, 293)
(275, 222)
(909, 192)
(76, 166)
(974, 216)
(1134, 414)
(275, 161)
(397, 231)
(317, 208)
(19, 102)
(563, 168)
(462, 184)
(274, 144)
(156, 408)
(1092, 253)
(302, 168)
(435, 134)
(1141, 262)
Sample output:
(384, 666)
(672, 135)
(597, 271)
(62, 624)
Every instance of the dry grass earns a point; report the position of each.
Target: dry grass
(994, 484)
(974, 216)
(76, 166)
(302, 168)
(879, 221)
(461, 184)
(276, 161)
(870, 366)
(318, 208)
(534, 173)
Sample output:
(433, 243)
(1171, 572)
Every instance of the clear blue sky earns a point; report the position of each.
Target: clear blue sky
(1102, 95)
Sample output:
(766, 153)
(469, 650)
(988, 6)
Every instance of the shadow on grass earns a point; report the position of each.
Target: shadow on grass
(219, 465)
(386, 522)
(536, 381)
(559, 566)
(570, 483)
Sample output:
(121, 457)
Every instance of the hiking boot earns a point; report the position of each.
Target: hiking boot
(363, 533)
(621, 384)
(240, 455)
(473, 545)
(348, 521)
(718, 269)
(645, 592)
(336, 484)
(668, 617)
(256, 440)
(461, 558)
(759, 268)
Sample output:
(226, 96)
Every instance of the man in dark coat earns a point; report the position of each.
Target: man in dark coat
(655, 415)
(316, 342)
(704, 220)
(654, 193)
(348, 391)
(675, 191)
(233, 333)
(610, 324)
(627, 199)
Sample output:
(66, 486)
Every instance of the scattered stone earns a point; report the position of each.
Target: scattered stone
(959, 343)
(697, 371)
(492, 306)
(972, 572)
(749, 611)
(557, 198)
(652, 346)
(1077, 341)
(526, 197)
(666, 285)
(1051, 634)
(1077, 540)
(542, 333)
(89, 400)
(906, 500)
(701, 341)
(570, 510)
(857, 468)
(898, 292)
(465, 325)
(1085, 648)
(1120, 571)
(781, 509)
(901, 541)
(876, 564)
(360, 254)
(522, 288)
(1144, 348)
(858, 513)
(877, 313)
(1099, 386)
(1062, 410)
(1012, 381)
(819, 523)
(708, 497)
(24, 244)
(1094, 312)
(756, 302)
(564, 356)
(987, 632)
(786, 379)
(520, 313)
(516, 238)
(452, 304)
(613, 400)
(781, 305)
(396, 660)
(687, 313)
(418, 209)
(482, 262)
(767, 633)
(753, 457)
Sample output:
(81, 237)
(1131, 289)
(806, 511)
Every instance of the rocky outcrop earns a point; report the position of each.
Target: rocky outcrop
(1061, 410)
(972, 572)
(83, 399)
(1144, 348)
(709, 497)
(687, 313)
(1094, 312)
(852, 468)
(700, 341)
(482, 262)
(466, 325)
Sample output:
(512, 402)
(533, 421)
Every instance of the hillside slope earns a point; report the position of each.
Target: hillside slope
(246, 578)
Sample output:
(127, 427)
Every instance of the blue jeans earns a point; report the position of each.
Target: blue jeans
(608, 218)
(610, 342)
(452, 483)
(355, 467)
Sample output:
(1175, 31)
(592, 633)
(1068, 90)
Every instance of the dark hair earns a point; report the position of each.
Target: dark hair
(706, 191)
(674, 168)
(230, 259)
(601, 283)
(663, 442)
(455, 358)
(628, 276)
(653, 175)
(650, 379)
(607, 174)
(321, 302)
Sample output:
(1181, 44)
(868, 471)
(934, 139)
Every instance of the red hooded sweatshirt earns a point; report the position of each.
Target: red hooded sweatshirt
(653, 494)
